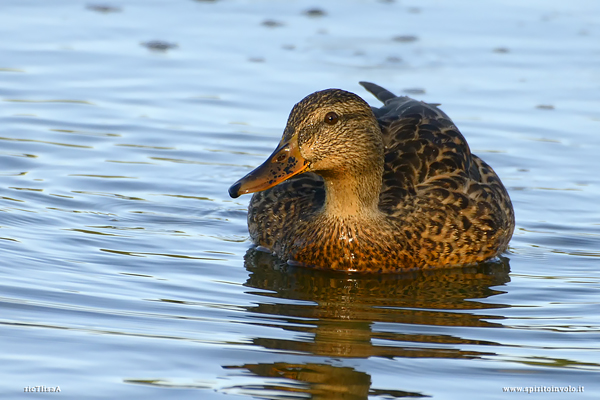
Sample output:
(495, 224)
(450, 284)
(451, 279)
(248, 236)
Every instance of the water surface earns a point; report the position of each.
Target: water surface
(125, 268)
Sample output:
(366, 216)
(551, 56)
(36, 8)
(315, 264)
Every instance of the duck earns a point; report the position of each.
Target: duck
(363, 189)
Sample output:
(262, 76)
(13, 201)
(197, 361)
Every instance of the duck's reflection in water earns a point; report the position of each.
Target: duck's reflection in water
(360, 316)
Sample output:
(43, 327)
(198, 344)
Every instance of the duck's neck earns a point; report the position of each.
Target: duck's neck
(353, 194)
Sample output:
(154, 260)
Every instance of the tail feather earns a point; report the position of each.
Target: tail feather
(380, 93)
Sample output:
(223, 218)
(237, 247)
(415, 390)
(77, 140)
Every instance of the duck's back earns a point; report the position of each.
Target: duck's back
(447, 199)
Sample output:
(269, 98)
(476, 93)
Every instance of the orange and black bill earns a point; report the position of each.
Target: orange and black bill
(285, 162)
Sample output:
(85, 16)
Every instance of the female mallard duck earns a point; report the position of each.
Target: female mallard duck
(388, 189)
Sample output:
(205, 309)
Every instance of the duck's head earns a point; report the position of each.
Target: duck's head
(330, 132)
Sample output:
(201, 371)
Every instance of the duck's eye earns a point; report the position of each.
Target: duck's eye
(331, 118)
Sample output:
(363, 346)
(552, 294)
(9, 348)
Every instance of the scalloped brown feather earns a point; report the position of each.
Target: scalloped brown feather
(441, 205)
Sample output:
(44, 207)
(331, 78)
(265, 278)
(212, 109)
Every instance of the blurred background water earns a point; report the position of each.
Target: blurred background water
(125, 271)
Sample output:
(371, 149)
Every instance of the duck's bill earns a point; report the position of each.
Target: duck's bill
(285, 162)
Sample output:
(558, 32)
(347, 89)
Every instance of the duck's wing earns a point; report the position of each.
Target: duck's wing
(422, 147)
(428, 165)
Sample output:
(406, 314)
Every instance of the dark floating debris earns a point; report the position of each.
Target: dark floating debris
(315, 12)
(414, 91)
(545, 107)
(103, 8)
(159, 45)
(271, 23)
(501, 50)
(405, 38)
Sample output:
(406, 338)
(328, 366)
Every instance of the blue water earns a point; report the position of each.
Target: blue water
(125, 271)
